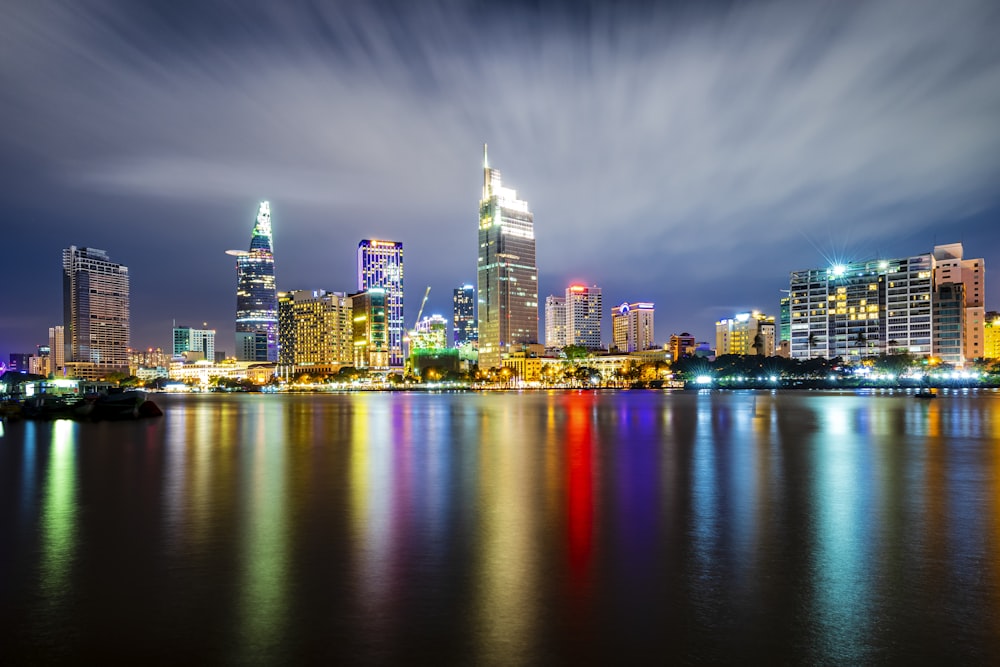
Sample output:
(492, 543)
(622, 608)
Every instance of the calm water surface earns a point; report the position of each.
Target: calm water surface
(559, 528)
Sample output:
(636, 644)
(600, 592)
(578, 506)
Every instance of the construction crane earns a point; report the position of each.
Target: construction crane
(422, 304)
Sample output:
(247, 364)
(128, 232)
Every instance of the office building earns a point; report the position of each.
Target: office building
(632, 326)
(555, 322)
(464, 318)
(256, 294)
(316, 328)
(745, 334)
(507, 278)
(370, 329)
(253, 346)
(886, 306)
(380, 265)
(95, 312)
(188, 341)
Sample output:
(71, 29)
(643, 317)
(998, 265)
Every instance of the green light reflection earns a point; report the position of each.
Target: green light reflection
(59, 513)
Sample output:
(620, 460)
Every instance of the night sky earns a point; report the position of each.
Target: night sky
(690, 154)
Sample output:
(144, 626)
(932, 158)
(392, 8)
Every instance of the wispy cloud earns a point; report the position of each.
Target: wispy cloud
(664, 134)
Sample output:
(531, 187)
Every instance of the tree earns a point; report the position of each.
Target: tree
(575, 352)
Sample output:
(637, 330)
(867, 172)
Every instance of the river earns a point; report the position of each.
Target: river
(507, 528)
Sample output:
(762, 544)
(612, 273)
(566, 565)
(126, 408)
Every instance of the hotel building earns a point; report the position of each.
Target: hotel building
(380, 265)
(95, 313)
(315, 328)
(746, 334)
(632, 326)
(574, 319)
(928, 304)
(507, 278)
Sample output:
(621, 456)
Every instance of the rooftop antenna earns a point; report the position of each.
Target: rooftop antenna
(486, 163)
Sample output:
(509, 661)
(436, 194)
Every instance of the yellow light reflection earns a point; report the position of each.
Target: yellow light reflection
(506, 560)
(265, 545)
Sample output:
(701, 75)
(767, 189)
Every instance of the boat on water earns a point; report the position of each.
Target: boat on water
(114, 405)
(925, 394)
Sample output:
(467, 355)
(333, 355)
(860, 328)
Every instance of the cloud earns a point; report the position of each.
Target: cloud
(644, 136)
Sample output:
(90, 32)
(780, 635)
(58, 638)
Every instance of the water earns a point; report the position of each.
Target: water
(542, 528)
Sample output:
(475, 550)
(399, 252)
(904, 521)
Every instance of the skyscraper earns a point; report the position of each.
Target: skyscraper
(256, 295)
(57, 349)
(632, 326)
(555, 322)
(95, 311)
(464, 319)
(507, 276)
(584, 312)
(380, 265)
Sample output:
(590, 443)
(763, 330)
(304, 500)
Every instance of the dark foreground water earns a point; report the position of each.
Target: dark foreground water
(562, 528)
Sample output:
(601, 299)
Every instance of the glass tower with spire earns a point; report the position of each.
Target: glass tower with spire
(256, 295)
(507, 290)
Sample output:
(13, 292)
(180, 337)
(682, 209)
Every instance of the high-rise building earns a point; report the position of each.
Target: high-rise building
(880, 306)
(584, 311)
(95, 311)
(256, 294)
(555, 322)
(315, 327)
(199, 341)
(380, 265)
(57, 348)
(252, 345)
(464, 319)
(746, 334)
(371, 340)
(632, 326)
(506, 273)
(951, 268)
(862, 309)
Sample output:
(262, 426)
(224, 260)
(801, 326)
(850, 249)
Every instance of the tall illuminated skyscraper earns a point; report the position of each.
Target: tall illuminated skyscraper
(507, 275)
(464, 320)
(380, 265)
(95, 310)
(256, 294)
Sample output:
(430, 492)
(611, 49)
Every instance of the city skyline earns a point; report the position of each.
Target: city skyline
(692, 172)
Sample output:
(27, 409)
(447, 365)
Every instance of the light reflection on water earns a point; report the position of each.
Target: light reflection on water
(509, 528)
